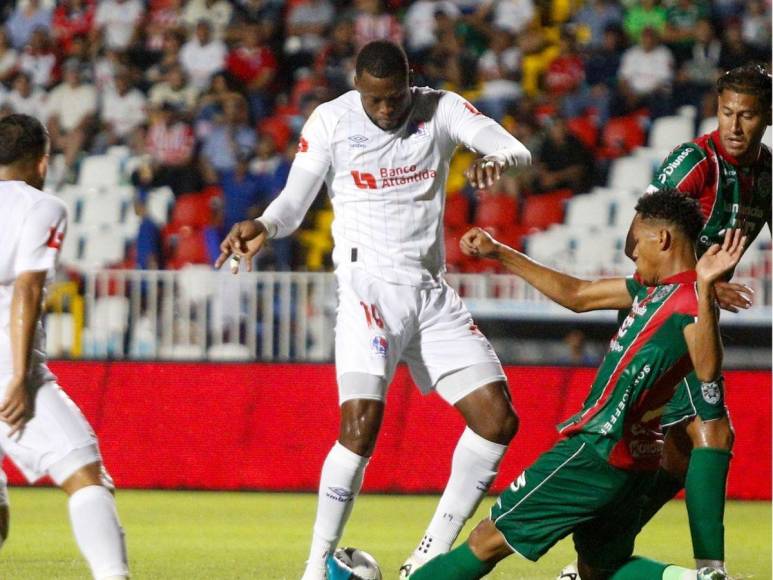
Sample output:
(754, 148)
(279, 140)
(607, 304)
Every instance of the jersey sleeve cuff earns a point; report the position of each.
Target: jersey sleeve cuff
(271, 227)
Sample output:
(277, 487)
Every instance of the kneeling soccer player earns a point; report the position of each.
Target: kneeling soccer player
(593, 481)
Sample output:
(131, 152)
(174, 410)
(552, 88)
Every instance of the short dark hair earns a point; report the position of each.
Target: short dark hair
(749, 79)
(22, 138)
(672, 206)
(382, 59)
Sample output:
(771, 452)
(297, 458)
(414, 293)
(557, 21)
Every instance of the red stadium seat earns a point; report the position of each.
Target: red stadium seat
(456, 261)
(457, 210)
(585, 130)
(541, 211)
(496, 209)
(192, 209)
(190, 248)
(621, 135)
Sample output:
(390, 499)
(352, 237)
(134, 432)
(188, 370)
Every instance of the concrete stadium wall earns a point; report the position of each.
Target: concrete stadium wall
(269, 426)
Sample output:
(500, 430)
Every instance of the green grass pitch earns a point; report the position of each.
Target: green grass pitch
(205, 535)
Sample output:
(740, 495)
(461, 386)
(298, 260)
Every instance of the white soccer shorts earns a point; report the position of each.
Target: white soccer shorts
(57, 441)
(430, 329)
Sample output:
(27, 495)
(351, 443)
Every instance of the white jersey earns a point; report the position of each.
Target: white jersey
(388, 187)
(32, 228)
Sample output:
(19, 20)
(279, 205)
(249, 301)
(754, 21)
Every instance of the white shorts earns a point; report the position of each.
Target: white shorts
(430, 329)
(57, 441)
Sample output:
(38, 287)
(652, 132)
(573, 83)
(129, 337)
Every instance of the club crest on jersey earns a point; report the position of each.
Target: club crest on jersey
(357, 141)
(379, 346)
(711, 392)
(661, 293)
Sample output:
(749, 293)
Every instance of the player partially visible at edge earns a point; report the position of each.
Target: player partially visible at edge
(593, 481)
(383, 150)
(41, 429)
(729, 172)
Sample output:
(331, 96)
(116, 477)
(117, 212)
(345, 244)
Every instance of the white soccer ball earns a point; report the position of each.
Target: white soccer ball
(362, 565)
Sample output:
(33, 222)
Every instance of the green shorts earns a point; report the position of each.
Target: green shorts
(572, 489)
(693, 397)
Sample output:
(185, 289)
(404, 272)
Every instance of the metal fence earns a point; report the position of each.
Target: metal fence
(200, 314)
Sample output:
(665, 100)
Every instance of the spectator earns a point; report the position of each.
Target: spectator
(566, 72)
(564, 162)
(642, 15)
(499, 68)
(576, 350)
(147, 246)
(169, 149)
(106, 65)
(602, 64)
(117, 23)
(735, 52)
(594, 19)
(217, 13)
(122, 111)
(419, 25)
(163, 17)
(202, 55)
(170, 56)
(9, 58)
(269, 166)
(255, 11)
(373, 22)
(305, 26)
(25, 19)
(646, 75)
(27, 99)
(514, 15)
(252, 62)
(682, 20)
(756, 26)
(174, 89)
(72, 106)
(335, 62)
(72, 18)
(38, 59)
(244, 194)
(229, 138)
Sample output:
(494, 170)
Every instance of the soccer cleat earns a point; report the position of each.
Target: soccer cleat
(410, 566)
(569, 573)
(712, 574)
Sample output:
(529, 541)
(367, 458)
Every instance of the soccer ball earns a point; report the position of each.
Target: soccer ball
(352, 564)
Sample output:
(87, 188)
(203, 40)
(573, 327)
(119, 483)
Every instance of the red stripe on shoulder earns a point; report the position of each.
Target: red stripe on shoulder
(685, 300)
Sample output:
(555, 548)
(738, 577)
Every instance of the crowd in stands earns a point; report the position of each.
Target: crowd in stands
(209, 96)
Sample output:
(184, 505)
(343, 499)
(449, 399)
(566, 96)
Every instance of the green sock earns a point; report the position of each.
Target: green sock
(705, 488)
(640, 569)
(458, 564)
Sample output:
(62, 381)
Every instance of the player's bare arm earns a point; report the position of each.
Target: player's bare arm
(16, 409)
(573, 293)
(703, 339)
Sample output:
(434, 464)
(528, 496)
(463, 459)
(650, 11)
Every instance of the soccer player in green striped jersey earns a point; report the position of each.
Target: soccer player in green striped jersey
(594, 481)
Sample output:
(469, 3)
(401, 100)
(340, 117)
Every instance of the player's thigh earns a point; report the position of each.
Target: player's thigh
(448, 352)
(694, 398)
(567, 486)
(57, 441)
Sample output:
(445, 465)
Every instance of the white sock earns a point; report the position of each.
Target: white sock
(473, 468)
(710, 564)
(339, 485)
(98, 532)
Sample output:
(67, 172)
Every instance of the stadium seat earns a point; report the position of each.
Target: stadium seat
(496, 209)
(102, 209)
(541, 211)
(708, 125)
(589, 209)
(621, 135)
(597, 251)
(110, 313)
(624, 210)
(60, 334)
(551, 246)
(71, 248)
(456, 261)
(630, 173)
(457, 211)
(191, 209)
(100, 171)
(102, 248)
(668, 132)
(229, 352)
(119, 151)
(190, 248)
(585, 130)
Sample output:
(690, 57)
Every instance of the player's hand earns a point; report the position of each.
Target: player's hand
(718, 260)
(484, 172)
(479, 243)
(733, 296)
(16, 409)
(242, 243)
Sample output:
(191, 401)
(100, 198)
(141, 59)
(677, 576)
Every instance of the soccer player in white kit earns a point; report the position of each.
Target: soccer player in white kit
(41, 430)
(383, 151)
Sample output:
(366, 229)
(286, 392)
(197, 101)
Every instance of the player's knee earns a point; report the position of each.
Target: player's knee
(360, 425)
(487, 542)
(717, 434)
(499, 425)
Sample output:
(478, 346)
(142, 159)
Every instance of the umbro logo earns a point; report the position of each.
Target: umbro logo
(339, 494)
(357, 141)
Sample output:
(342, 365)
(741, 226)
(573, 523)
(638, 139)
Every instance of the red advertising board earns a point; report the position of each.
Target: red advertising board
(269, 426)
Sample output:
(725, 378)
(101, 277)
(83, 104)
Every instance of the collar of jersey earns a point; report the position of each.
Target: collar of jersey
(686, 277)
